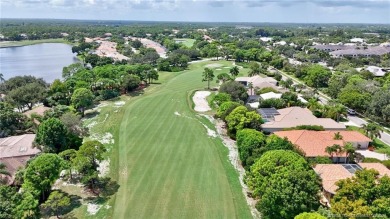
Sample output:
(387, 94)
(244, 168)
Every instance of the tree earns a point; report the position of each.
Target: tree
(254, 69)
(208, 75)
(130, 82)
(52, 136)
(220, 98)
(3, 171)
(151, 75)
(87, 161)
(235, 89)
(12, 122)
(250, 87)
(9, 200)
(317, 76)
(57, 204)
(241, 118)
(234, 71)
(27, 95)
(365, 193)
(285, 184)
(223, 77)
(226, 108)
(41, 173)
(82, 98)
(247, 141)
(306, 215)
(372, 130)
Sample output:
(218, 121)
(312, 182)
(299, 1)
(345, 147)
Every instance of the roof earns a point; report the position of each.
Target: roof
(40, 110)
(331, 173)
(314, 143)
(258, 81)
(16, 146)
(296, 116)
(270, 95)
(382, 169)
(376, 71)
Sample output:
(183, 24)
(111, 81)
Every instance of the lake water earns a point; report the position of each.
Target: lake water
(44, 60)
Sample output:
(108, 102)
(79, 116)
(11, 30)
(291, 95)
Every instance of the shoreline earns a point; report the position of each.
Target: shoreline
(10, 44)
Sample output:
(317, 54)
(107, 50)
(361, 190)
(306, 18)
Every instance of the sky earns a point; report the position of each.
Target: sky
(278, 11)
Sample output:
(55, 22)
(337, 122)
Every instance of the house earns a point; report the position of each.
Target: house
(15, 151)
(377, 71)
(314, 143)
(331, 173)
(296, 116)
(257, 81)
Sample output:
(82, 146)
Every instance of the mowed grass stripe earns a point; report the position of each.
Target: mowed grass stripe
(174, 170)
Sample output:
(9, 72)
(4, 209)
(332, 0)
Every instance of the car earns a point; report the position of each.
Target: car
(351, 112)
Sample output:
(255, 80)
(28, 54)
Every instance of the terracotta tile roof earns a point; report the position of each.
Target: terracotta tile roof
(331, 173)
(16, 146)
(382, 169)
(296, 116)
(314, 143)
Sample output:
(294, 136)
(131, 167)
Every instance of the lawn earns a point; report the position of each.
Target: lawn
(30, 42)
(162, 158)
(186, 41)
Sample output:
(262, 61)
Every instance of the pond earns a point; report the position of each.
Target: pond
(44, 60)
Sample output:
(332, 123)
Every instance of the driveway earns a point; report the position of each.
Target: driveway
(371, 154)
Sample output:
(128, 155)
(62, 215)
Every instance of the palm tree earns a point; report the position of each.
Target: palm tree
(234, 71)
(372, 130)
(330, 150)
(3, 171)
(250, 86)
(313, 105)
(337, 136)
(350, 151)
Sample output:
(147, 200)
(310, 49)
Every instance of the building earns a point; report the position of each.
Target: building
(376, 71)
(314, 143)
(258, 81)
(15, 151)
(296, 116)
(331, 173)
(359, 51)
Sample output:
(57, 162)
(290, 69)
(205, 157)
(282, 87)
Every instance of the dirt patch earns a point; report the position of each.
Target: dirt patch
(201, 104)
(214, 65)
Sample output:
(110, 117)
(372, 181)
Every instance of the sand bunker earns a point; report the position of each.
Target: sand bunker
(201, 104)
(214, 65)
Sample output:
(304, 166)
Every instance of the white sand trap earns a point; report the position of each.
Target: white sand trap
(201, 104)
(215, 65)
(93, 208)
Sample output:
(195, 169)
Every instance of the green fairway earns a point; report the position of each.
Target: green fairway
(186, 41)
(168, 166)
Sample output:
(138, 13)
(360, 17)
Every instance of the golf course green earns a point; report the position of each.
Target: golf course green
(168, 166)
